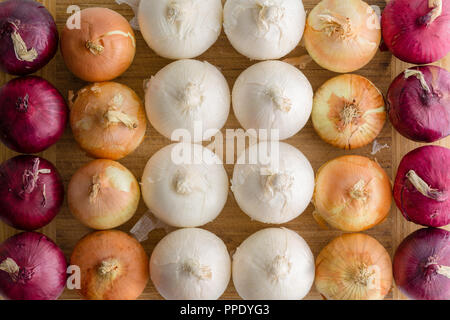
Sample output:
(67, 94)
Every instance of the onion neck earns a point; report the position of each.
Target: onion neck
(430, 17)
(350, 113)
(30, 177)
(20, 48)
(421, 186)
(432, 266)
(109, 268)
(278, 182)
(195, 269)
(95, 46)
(358, 191)
(419, 75)
(192, 97)
(269, 14)
(22, 103)
(115, 115)
(279, 268)
(95, 188)
(335, 25)
(10, 266)
(281, 102)
(185, 182)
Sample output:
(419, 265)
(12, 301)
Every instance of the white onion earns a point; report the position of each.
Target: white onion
(264, 29)
(273, 264)
(185, 194)
(273, 193)
(184, 94)
(178, 29)
(190, 264)
(273, 95)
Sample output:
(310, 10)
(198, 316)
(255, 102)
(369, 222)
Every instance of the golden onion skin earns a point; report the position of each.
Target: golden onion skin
(348, 111)
(353, 267)
(342, 36)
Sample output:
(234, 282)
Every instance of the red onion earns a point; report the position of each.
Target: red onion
(417, 31)
(33, 114)
(418, 103)
(422, 186)
(31, 192)
(32, 267)
(28, 36)
(422, 265)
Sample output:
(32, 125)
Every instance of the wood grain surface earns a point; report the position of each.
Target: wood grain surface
(232, 226)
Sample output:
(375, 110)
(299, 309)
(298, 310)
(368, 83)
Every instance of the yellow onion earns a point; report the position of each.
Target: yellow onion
(108, 120)
(101, 48)
(352, 193)
(103, 194)
(348, 111)
(353, 267)
(342, 36)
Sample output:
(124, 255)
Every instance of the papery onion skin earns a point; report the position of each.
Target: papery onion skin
(352, 193)
(273, 264)
(184, 192)
(263, 30)
(108, 120)
(418, 265)
(348, 111)
(42, 268)
(353, 267)
(113, 266)
(342, 36)
(190, 264)
(80, 47)
(103, 194)
(33, 114)
(421, 114)
(429, 163)
(180, 29)
(29, 199)
(409, 37)
(35, 27)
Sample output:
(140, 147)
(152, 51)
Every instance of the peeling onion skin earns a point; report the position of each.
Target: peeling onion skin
(352, 194)
(180, 29)
(263, 30)
(273, 95)
(42, 268)
(190, 264)
(273, 195)
(409, 39)
(108, 120)
(430, 163)
(114, 201)
(113, 266)
(348, 111)
(338, 44)
(38, 30)
(353, 267)
(185, 194)
(417, 263)
(117, 50)
(418, 114)
(273, 264)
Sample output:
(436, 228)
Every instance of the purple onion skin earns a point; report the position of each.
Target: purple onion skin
(33, 114)
(38, 30)
(416, 262)
(417, 114)
(431, 164)
(42, 268)
(409, 35)
(22, 206)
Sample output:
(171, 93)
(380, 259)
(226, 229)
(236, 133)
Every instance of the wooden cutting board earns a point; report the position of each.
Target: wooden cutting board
(232, 226)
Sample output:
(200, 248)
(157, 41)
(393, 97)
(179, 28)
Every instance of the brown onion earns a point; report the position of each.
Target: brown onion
(353, 267)
(102, 49)
(348, 111)
(108, 120)
(103, 194)
(113, 265)
(352, 193)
